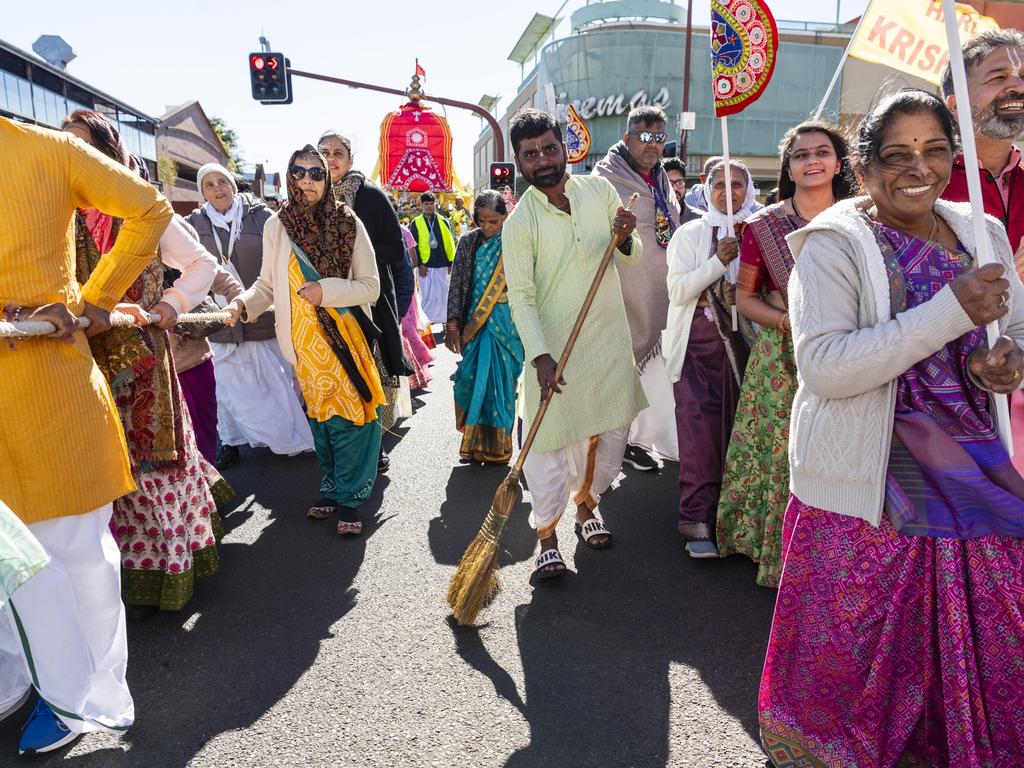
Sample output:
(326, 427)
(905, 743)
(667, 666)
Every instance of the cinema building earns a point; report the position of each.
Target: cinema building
(624, 53)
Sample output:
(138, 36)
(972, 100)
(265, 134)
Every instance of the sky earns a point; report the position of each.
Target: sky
(152, 55)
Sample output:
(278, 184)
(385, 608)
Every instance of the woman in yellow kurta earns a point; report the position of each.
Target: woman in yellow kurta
(62, 451)
(320, 274)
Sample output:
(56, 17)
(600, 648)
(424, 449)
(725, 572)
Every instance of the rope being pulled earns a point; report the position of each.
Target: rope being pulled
(29, 328)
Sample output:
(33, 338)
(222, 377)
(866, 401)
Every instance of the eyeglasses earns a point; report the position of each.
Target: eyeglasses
(648, 137)
(337, 154)
(678, 183)
(298, 172)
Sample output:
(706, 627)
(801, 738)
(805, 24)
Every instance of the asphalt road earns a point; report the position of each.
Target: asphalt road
(312, 650)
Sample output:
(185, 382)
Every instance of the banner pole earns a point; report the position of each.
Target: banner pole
(727, 178)
(842, 63)
(983, 252)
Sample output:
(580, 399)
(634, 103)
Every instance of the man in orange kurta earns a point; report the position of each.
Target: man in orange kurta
(63, 458)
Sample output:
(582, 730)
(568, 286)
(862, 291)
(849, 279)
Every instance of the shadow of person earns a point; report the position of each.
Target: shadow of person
(598, 648)
(250, 631)
(468, 497)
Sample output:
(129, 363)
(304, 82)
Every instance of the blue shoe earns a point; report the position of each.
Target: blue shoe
(44, 732)
(701, 549)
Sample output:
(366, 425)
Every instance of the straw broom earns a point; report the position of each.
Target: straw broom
(475, 582)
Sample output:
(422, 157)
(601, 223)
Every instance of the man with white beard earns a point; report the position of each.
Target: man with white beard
(995, 81)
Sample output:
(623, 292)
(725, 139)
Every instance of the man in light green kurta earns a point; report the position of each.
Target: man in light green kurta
(553, 242)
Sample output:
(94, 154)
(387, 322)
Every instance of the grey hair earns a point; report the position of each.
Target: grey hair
(977, 48)
(738, 165)
(647, 115)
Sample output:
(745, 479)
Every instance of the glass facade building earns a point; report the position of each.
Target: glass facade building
(36, 92)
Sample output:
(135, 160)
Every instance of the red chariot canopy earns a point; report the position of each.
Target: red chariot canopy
(415, 150)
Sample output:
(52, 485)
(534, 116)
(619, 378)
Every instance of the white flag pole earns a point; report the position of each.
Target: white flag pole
(983, 254)
(727, 178)
(842, 63)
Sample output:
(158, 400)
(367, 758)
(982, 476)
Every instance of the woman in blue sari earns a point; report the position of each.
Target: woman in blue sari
(480, 328)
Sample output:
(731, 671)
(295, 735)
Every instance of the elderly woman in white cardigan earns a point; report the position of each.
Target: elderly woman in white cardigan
(898, 631)
(704, 356)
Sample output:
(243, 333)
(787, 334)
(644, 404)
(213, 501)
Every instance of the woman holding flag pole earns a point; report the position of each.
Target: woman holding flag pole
(906, 390)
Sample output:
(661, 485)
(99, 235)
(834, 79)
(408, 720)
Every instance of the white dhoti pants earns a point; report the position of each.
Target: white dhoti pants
(654, 428)
(64, 630)
(256, 402)
(434, 293)
(580, 472)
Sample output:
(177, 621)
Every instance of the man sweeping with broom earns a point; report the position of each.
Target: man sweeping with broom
(554, 241)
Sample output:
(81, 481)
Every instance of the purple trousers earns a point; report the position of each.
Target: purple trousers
(199, 387)
(706, 397)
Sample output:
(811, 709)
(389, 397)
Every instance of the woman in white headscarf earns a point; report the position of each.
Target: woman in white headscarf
(755, 489)
(256, 402)
(704, 355)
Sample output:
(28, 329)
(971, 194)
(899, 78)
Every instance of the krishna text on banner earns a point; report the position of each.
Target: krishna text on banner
(910, 35)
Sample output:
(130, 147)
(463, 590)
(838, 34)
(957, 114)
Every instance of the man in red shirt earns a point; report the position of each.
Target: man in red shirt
(995, 80)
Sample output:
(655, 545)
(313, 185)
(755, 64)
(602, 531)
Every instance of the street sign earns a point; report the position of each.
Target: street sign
(268, 76)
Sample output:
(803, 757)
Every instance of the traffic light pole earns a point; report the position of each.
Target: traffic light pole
(499, 138)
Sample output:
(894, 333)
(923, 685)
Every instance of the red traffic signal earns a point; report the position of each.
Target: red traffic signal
(503, 175)
(269, 79)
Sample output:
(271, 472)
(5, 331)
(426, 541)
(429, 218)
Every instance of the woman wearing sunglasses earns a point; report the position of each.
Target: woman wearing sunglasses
(320, 276)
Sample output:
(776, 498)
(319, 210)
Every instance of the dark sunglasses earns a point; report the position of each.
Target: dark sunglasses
(298, 172)
(650, 136)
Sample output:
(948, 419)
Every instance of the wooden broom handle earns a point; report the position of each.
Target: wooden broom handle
(609, 252)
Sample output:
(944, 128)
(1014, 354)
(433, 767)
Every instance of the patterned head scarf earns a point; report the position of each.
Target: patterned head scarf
(326, 229)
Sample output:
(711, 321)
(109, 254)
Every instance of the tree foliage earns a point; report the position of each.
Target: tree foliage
(229, 140)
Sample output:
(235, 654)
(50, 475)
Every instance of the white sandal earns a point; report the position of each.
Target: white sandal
(591, 528)
(547, 558)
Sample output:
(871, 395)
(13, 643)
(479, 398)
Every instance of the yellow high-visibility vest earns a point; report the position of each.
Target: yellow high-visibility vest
(423, 238)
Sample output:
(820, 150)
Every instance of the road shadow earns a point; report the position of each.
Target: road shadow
(468, 497)
(234, 651)
(597, 646)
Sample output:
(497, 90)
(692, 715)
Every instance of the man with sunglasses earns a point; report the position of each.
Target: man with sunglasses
(635, 165)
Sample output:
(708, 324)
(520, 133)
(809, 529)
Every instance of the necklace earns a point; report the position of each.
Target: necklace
(931, 234)
(563, 207)
(796, 210)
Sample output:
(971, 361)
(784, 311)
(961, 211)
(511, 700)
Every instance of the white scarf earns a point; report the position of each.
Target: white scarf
(720, 221)
(230, 220)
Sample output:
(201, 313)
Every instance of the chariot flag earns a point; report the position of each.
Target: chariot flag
(577, 136)
(910, 35)
(744, 46)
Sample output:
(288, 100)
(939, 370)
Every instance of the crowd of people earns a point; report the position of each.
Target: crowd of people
(818, 367)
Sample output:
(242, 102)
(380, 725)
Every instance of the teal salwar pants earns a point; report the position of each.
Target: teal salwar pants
(348, 457)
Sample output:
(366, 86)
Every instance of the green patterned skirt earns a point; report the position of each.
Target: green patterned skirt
(755, 489)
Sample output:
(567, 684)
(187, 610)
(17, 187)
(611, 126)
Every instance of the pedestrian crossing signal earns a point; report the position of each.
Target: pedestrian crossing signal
(503, 175)
(269, 77)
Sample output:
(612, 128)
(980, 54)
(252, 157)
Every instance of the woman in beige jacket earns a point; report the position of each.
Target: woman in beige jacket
(320, 275)
(898, 629)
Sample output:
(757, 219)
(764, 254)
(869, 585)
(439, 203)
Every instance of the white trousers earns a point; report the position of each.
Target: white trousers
(580, 472)
(654, 428)
(256, 403)
(64, 629)
(434, 292)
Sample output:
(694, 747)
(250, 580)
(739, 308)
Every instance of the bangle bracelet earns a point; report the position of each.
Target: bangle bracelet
(780, 322)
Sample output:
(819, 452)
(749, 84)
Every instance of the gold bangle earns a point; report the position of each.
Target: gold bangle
(780, 322)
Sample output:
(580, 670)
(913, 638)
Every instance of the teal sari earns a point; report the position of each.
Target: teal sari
(492, 359)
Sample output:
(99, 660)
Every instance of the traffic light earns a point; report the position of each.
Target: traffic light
(268, 74)
(503, 175)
